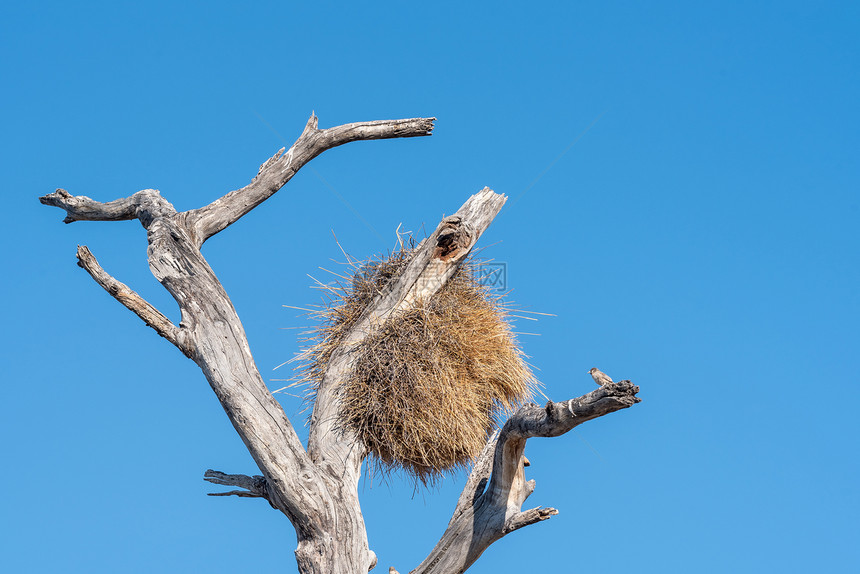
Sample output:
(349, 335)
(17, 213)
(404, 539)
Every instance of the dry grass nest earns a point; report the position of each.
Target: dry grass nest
(426, 388)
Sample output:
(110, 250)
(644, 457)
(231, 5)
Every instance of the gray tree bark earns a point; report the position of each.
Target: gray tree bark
(316, 488)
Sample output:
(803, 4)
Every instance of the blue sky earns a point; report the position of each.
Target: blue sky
(684, 199)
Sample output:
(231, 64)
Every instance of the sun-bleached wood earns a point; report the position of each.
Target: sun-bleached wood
(134, 302)
(252, 486)
(317, 488)
(490, 506)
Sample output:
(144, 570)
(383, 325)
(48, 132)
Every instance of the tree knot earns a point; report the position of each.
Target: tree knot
(454, 238)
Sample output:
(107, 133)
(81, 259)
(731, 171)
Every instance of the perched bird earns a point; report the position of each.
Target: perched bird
(599, 376)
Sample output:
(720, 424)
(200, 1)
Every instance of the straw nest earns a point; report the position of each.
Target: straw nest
(427, 387)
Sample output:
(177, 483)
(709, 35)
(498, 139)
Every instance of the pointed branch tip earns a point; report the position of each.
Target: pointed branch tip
(131, 300)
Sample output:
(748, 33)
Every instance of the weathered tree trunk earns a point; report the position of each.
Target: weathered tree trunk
(317, 488)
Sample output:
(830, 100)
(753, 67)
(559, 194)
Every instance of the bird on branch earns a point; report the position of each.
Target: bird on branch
(599, 376)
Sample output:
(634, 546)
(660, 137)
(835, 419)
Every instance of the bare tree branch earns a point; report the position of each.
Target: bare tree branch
(254, 486)
(495, 512)
(279, 169)
(82, 208)
(241, 480)
(528, 517)
(132, 301)
(555, 419)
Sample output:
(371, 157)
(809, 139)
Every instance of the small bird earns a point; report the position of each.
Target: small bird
(599, 376)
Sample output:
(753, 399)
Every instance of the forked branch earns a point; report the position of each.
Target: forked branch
(495, 511)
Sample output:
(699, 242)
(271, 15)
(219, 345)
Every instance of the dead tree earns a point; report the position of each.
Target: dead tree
(316, 487)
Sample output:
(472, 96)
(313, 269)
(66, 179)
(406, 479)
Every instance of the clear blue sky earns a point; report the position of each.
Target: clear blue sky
(685, 192)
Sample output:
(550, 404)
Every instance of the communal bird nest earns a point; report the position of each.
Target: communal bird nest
(426, 386)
